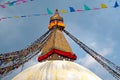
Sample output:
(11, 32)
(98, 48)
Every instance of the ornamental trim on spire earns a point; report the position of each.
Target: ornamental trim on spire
(56, 21)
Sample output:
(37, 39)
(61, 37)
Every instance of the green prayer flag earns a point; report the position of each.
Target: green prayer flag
(11, 4)
(49, 11)
(86, 7)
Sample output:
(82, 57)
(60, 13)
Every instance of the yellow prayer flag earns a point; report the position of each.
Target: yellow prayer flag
(63, 11)
(16, 16)
(103, 6)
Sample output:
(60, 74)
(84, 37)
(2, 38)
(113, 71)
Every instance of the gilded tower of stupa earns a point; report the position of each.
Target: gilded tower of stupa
(57, 47)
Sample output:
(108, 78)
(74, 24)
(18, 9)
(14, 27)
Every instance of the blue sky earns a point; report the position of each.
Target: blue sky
(99, 29)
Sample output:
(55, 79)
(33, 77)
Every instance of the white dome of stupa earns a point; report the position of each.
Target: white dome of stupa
(57, 70)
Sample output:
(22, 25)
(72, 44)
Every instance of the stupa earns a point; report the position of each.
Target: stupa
(56, 61)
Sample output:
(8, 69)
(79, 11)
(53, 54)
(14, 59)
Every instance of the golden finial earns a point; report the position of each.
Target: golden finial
(56, 14)
(56, 19)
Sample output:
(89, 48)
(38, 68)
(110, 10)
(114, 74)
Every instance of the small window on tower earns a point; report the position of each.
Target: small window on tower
(63, 59)
(66, 58)
(50, 57)
(69, 59)
(59, 57)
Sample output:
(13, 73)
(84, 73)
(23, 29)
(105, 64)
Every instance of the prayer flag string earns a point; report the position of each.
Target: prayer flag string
(50, 12)
(12, 3)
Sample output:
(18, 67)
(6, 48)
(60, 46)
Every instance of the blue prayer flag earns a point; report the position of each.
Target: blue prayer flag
(72, 9)
(116, 5)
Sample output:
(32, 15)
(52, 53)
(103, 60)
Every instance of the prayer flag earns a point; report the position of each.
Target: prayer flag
(48, 11)
(86, 7)
(78, 10)
(36, 14)
(63, 11)
(18, 2)
(6, 3)
(24, 1)
(4, 18)
(2, 6)
(96, 8)
(72, 9)
(116, 5)
(9, 17)
(12, 3)
(103, 6)
(16, 16)
(23, 16)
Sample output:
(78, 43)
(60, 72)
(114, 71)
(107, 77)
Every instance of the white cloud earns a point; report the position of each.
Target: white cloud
(89, 61)
(93, 65)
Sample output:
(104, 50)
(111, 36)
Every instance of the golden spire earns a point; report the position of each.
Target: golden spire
(56, 16)
(56, 21)
(56, 47)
